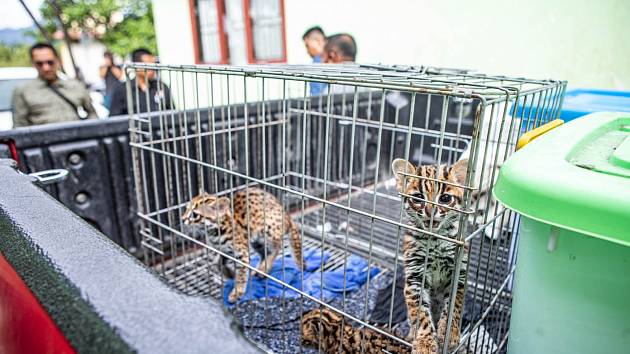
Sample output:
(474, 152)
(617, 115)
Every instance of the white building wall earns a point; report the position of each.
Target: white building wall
(173, 31)
(583, 41)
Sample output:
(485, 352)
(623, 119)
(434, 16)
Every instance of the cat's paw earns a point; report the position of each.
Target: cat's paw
(233, 296)
(424, 345)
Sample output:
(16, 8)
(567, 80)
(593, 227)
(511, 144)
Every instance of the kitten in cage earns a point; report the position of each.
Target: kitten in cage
(431, 201)
(255, 211)
(322, 329)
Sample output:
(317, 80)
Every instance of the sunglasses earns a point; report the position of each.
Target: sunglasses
(39, 64)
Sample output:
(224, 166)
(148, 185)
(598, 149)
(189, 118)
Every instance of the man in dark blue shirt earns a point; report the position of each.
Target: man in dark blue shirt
(144, 84)
(315, 40)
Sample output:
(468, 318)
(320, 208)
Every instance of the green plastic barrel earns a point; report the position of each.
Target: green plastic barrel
(571, 187)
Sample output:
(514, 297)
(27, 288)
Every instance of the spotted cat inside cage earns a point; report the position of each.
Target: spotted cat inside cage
(255, 219)
(322, 329)
(432, 199)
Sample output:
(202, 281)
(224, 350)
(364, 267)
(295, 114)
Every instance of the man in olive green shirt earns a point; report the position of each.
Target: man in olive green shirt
(49, 99)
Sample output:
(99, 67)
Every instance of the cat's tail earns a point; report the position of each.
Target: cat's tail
(296, 243)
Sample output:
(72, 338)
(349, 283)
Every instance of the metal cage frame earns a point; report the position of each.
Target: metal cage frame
(258, 125)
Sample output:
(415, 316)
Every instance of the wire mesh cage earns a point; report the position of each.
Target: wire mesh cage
(307, 215)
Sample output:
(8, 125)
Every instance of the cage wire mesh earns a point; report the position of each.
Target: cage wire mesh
(328, 159)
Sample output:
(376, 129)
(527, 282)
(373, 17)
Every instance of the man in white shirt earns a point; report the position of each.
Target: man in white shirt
(340, 48)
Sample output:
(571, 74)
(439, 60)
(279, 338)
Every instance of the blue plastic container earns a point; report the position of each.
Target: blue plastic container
(581, 102)
(577, 103)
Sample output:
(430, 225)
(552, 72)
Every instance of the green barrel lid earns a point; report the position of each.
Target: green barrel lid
(576, 177)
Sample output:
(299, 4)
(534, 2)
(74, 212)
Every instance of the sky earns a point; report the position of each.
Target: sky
(14, 16)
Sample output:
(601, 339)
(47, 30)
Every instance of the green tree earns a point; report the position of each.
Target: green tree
(14, 55)
(122, 25)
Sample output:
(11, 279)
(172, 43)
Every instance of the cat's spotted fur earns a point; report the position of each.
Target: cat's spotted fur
(322, 329)
(430, 262)
(254, 210)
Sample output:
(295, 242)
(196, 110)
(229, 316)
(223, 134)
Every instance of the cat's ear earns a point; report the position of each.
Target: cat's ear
(458, 171)
(223, 204)
(400, 166)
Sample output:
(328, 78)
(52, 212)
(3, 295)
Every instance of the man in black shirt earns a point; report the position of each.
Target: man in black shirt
(143, 86)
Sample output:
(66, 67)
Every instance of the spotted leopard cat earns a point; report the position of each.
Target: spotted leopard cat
(253, 209)
(322, 329)
(429, 206)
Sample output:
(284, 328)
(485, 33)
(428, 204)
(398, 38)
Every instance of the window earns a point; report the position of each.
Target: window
(238, 31)
(208, 34)
(266, 31)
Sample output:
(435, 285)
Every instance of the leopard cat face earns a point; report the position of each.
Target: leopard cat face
(311, 322)
(207, 209)
(428, 201)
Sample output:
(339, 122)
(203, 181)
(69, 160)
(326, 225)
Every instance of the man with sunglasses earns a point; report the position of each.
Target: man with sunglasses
(49, 98)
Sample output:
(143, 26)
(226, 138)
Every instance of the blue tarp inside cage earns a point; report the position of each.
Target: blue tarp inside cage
(325, 285)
